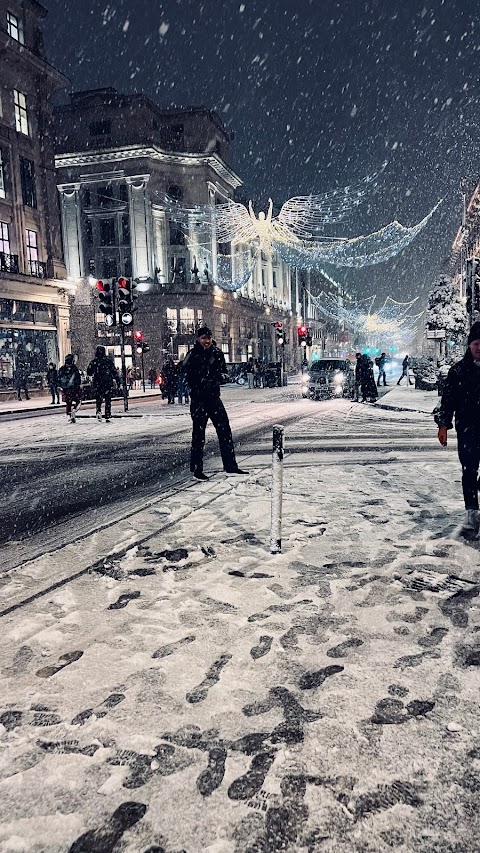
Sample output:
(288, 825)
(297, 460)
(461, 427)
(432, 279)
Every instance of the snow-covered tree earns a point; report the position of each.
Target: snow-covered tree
(446, 310)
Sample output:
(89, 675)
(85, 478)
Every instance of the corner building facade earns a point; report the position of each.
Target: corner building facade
(117, 157)
(34, 293)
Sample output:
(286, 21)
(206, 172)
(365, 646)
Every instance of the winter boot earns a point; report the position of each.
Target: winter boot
(99, 417)
(472, 520)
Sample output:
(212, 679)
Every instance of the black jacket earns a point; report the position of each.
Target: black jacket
(104, 374)
(69, 377)
(52, 376)
(205, 370)
(461, 396)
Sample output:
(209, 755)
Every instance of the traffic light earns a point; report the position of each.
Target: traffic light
(126, 300)
(308, 339)
(279, 334)
(140, 345)
(106, 298)
(302, 334)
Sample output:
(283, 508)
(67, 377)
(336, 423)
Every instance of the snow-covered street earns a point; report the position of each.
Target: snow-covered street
(168, 684)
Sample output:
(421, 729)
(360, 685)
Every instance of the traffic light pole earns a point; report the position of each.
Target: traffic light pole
(143, 372)
(124, 367)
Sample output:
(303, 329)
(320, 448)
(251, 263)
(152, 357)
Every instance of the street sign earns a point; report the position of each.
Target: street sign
(436, 334)
(127, 318)
(109, 321)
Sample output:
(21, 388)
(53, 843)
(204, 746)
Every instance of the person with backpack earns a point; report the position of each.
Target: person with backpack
(380, 362)
(104, 378)
(70, 382)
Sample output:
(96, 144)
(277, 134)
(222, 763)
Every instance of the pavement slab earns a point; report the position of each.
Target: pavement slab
(190, 691)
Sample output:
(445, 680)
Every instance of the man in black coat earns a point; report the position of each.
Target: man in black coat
(461, 397)
(205, 370)
(104, 377)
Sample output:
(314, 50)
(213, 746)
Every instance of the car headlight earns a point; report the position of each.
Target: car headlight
(338, 389)
(339, 377)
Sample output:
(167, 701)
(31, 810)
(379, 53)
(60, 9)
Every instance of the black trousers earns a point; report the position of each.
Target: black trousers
(469, 455)
(201, 411)
(107, 396)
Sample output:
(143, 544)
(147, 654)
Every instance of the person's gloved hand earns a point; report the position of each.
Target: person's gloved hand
(442, 435)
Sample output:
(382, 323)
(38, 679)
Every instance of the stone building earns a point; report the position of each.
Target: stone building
(117, 158)
(34, 309)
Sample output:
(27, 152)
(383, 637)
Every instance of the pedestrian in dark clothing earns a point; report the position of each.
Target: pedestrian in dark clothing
(52, 382)
(250, 371)
(70, 382)
(367, 380)
(104, 378)
(152, 375)
(21, 381)
(358, 364)
(405, 366)
(169, 376)
(461, 398)
(205, 369)
(381, 361)
(182, 385)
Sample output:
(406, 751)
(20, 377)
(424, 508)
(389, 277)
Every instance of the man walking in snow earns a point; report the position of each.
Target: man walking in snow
(461, 398)
(405, 365)
(70, 382)
(205, 370)
(104, 377)
(380, 362)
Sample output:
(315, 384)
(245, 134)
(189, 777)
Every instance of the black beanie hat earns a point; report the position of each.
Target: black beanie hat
(204, 330)
(474, 333)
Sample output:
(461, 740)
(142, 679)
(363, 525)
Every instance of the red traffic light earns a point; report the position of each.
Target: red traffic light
(138, 335)
(302, 330)
(100, 286)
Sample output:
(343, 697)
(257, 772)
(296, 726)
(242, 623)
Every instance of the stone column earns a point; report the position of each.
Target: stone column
(160, 243)
(213, 271)
(63, 331)
(71, 229)
(140, 227)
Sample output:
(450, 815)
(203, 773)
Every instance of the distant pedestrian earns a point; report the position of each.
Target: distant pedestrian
(259, 380)
(152, 376)
(358, 365)
(405, 366)
(205, 369)
(368, 385)
(131, 375)
(250, 370)
(70, 382)
(104, 378)
(380, 362)
(182, 384)
(21, 380)
(169, 378)
(52, 382)
(461, 398)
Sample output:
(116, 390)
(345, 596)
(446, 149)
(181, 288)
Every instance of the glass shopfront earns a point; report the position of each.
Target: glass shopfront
(32, 347)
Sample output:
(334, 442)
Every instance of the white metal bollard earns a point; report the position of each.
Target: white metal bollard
(277, 487)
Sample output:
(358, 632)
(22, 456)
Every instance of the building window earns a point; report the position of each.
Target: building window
(104, 196)
(4, 238)
(21, 116)
(125, 230)
(2, 178)
(27, 175)
(107, 232)
(86, 198)
(32, 252)
(175, 192)
(226, 352)
(199, 317)
(109, 267)
(89, 232)
(91, 266)
(15, 28)
(274, 278)
(177, 237)
(172, 320)
(187, 321)
(100, 128)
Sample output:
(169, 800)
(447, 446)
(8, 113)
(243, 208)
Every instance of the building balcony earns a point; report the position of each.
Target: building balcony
(37, 269)
(8, 263)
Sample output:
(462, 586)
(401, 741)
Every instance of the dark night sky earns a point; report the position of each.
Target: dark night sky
(318, 92)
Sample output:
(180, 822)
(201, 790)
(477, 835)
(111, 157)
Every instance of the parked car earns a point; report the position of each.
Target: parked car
(328, 378)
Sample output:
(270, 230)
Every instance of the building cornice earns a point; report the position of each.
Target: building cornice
(133, 152)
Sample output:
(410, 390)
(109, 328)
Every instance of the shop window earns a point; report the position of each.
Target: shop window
(187, 321)
(177, 237)
(15, 28)
(172, 323)
(27, 176)
(21, 114)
